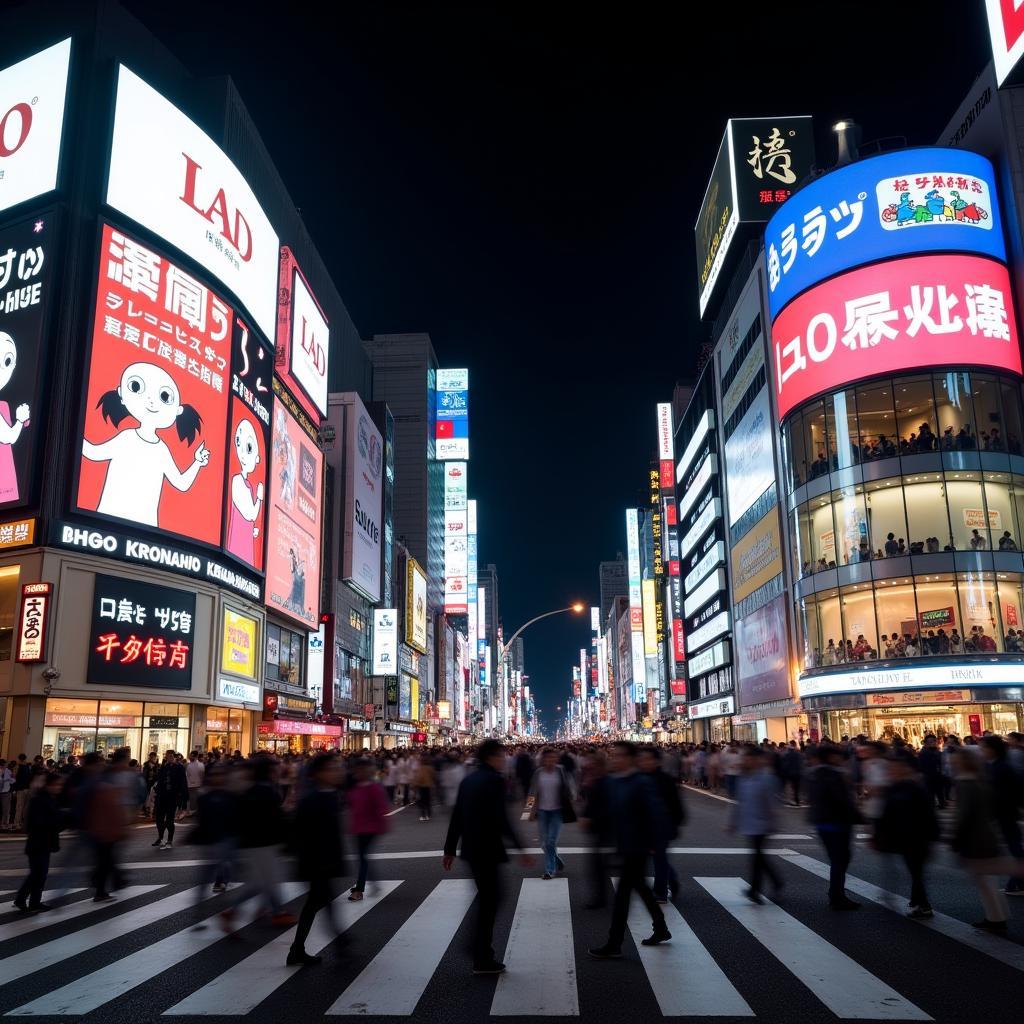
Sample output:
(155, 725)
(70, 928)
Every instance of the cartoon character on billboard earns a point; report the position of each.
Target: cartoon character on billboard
(10, 429)
(139, 460)
(284, 452)
(246, 498)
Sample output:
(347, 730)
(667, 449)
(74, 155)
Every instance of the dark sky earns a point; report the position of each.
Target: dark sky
(522, 182)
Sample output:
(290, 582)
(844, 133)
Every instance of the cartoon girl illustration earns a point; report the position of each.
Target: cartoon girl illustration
(139, 459)
(10, 430)
(246, 499)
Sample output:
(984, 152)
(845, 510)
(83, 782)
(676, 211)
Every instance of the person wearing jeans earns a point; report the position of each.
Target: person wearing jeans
(753, 815)
(833, 813)
(550, 791)
(368, 808)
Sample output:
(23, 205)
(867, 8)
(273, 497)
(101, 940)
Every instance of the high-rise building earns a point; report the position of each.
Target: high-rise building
(614, 582)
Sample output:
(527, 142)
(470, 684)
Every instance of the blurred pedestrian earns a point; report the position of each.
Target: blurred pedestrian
(424, 780)
(1007, 796)
(833, 812)
(6, 796)
(217, 830)
(637, 820)
(43, 823)
(552, 806)
(105, 826)
(753, 816)
(194, 772)
(367, 819)
(20, 790)
(480, 821)
(596, 821)
(170, 790)
(666, 881)
(791, 770)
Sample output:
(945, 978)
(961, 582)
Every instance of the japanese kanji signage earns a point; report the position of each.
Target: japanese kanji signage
(760, 161)
(27, 253)
(896, 204)
(32, 94)
(303, 338)
(141, 634)
(35, 611)
(16, 534)
(155, 425)
(916, 312)
(167, 174)
(451, 432)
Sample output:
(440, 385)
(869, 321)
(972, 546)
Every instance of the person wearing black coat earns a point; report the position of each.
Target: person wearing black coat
(929, 764)
(171, 789)
(833, 812)
(318, 849)
(480, 820)
(1007, 798)
(43, 822)
(665, 877)
(908, 826)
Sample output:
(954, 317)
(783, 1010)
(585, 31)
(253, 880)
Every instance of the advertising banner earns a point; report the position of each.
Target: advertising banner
(141, 634)
(238, 646)
(455, 484)
(897, 204)
(384, 660)
(33, 619)
(749, 461)
(156, 405)
(293, 530)
(416, 606)
(451, 438)
(762, 665)
(303, 338)
(364, 494)
(405, 697)
(28, 249)
(716, 223)
(636, 613)
(757, 558)
(32, 94)
(456, 561)
(1006, 29)
(167, 174)
(920, 311)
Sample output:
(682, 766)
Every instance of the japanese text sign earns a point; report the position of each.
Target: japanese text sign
(35, 612)
(920, 311)
(896, 204)
(238, 645)
(141, 634)
(303, 338)
(167, 174)
(157, 395)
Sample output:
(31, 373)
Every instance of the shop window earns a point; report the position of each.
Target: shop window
(876, 422)
(800, 541)
(971, 527)
(822, 634)
(979, 613)
(284, 655)
(1012, 417)
(988, 416)
(999, 506)
(841, 428)
(814, 440)
(851, 526)
(886, 514)
(938, 609)
(955, 411)
(9, 591)
(860, 631)
(927, 515)
(794, 454)
(915, 415)
(896, 613)
(822, 533)
(1008, 589)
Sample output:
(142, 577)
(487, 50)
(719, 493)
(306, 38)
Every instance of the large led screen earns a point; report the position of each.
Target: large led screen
(918, 312)
(156, 409)
(293, 529)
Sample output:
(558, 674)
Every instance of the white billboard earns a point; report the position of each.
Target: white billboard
(456, 562)
(310, 344)
(749, 462)
(32, 94)
(665, 431)
(636, 613)
(364, 447)
(384, 660)
(455, 484)
(167, 174)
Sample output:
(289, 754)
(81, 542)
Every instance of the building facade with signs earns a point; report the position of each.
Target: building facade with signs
(166, 486)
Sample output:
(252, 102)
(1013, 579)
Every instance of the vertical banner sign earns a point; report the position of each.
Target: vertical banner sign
(674, 590)
(364, 461)
(35, 613)
(384, 661)
(471, 571)
(303, 338)
(451, 436)
(416, 606)
(636, 610)
(456, 540)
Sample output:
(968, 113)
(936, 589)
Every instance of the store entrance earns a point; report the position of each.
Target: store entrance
(912, 727)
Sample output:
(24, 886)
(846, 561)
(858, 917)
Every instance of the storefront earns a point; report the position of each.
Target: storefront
(284, 737)
(778, 721)
(397, 734)
(356, 734)
(714, 718)
(78, 726)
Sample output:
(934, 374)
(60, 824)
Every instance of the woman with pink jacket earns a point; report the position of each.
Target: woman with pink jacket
(367, 818)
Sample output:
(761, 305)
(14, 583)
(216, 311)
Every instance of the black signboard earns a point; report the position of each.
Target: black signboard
(141, 635)
(28, 253)
(772, 156)
(716, 223)
(163, 721)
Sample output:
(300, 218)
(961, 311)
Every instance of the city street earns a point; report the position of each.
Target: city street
(403, 952)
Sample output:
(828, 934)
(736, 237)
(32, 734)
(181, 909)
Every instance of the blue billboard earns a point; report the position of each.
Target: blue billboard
(897, 204)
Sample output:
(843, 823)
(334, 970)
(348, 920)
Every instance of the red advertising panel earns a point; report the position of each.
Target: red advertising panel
(293, 527)
(153, 443)
(916, 312)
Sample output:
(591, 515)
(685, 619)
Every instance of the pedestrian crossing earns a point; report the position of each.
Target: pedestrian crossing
(409, 940)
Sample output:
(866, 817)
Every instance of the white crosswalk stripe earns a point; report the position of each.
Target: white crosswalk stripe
(67, 912)
(243, 987)
(539, 945)
(840, 983)
(86, 994)
(396, 978)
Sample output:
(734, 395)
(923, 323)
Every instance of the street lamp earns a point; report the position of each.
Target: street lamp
(504, 649)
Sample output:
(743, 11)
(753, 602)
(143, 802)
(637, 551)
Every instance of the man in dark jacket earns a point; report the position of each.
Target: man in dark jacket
(833, 813)
(171, 788)
(318, 848)
(43, 822)
(791, 770)
(481, 821)
(638, 820)
(665, 878)
(1007, 797)
(929, 763)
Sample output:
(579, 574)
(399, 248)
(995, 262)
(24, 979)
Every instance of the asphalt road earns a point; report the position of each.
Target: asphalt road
(405, 955)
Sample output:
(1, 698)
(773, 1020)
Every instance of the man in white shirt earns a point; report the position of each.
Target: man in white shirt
(195, 770)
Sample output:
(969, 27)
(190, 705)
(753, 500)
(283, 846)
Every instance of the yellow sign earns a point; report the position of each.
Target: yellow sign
(18, 533)
(414, 697)
(416, 607)
(757, 558)
(238, 648)
(650, 596)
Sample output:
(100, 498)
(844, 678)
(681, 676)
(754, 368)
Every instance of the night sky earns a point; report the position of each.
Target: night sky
(522, 182)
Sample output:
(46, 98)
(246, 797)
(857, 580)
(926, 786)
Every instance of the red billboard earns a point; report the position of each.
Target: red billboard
(906, 314)
(155, 426)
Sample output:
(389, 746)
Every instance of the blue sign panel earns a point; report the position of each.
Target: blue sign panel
(896, 204)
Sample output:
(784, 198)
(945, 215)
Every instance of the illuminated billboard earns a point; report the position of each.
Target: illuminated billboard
(1006, 30)
(167, 174)
(32, 95)
(156, 408)
(293, 531)
(917, 312)
(457, 540)
(416, 606)
(636, 610)
(364, 451)
(303, 338)
(451, 431)
(896, 204)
